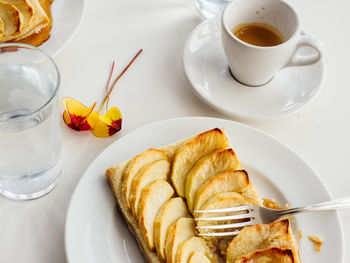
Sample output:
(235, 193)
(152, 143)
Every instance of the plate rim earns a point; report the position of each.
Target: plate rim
(270, 137)
(228, 112)
(72, 35)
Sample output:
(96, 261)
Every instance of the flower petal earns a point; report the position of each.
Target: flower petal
(109, 123)
(78, 116)
(67, 120)
(92, 119)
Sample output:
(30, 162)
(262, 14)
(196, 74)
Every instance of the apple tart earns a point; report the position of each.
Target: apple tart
(26, 21)
(158, 190)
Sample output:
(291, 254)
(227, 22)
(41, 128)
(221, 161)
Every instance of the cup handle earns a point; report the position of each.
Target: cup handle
(303, 60)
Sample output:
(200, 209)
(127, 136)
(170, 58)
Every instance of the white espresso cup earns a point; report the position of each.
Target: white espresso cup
(256, 65)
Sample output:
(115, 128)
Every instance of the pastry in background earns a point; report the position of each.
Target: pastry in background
(25, 21)
(12, 21)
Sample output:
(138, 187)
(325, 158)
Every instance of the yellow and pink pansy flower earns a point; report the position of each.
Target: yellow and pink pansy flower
(82, 118)
(109, 123)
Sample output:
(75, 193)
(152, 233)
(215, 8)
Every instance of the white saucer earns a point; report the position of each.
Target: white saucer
(207, 70)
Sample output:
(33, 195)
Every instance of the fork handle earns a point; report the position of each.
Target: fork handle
(330, 205)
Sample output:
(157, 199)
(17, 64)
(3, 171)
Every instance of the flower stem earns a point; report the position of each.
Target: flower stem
(110, 76)
(117, 78)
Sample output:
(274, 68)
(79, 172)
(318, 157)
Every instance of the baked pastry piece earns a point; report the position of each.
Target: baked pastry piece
(38, 20)
(21, 18)
(12, 21)
(25, 9)
(263, 236)
(157, 190)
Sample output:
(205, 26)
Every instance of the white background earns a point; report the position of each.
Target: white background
(155, 88)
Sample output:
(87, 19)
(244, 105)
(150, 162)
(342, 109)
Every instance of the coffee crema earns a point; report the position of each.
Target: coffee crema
(258, 34)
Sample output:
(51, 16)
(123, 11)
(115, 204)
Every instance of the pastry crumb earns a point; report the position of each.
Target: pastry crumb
(271, 203)
(300, 234)
(317, 241)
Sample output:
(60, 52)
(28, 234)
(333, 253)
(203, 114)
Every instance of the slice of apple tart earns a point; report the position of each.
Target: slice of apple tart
(158, 190)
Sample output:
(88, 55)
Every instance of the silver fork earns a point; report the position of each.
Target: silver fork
(251, 214)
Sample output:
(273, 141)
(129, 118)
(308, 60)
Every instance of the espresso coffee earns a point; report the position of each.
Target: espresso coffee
(258, 34)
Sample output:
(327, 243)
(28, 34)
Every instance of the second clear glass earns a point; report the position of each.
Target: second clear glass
(210, 8)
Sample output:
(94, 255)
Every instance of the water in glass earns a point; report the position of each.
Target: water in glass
(30, 136)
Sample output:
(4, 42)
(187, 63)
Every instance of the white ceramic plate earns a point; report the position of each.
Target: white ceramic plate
(206, 68)
(95, 231)
(67, 17)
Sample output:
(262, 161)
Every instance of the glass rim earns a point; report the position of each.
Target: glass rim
(57, 85)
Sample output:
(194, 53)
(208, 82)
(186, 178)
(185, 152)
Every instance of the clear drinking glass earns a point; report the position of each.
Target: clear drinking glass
(30, 134)
(210, 8)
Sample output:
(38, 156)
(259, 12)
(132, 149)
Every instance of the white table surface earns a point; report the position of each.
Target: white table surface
(155, 88)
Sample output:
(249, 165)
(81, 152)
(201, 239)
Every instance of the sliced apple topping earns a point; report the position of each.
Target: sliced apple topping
(182, 230)
(190, 246)
(187, 155)
(153, 196)
(198, 257)
(227, 181)
(157, 170)
(207, 167)
(167, 215)
(135, 165)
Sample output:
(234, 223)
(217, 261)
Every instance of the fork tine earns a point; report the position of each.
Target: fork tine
(220, 234)
(225, 226)
(231, 217)
(229, 209)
